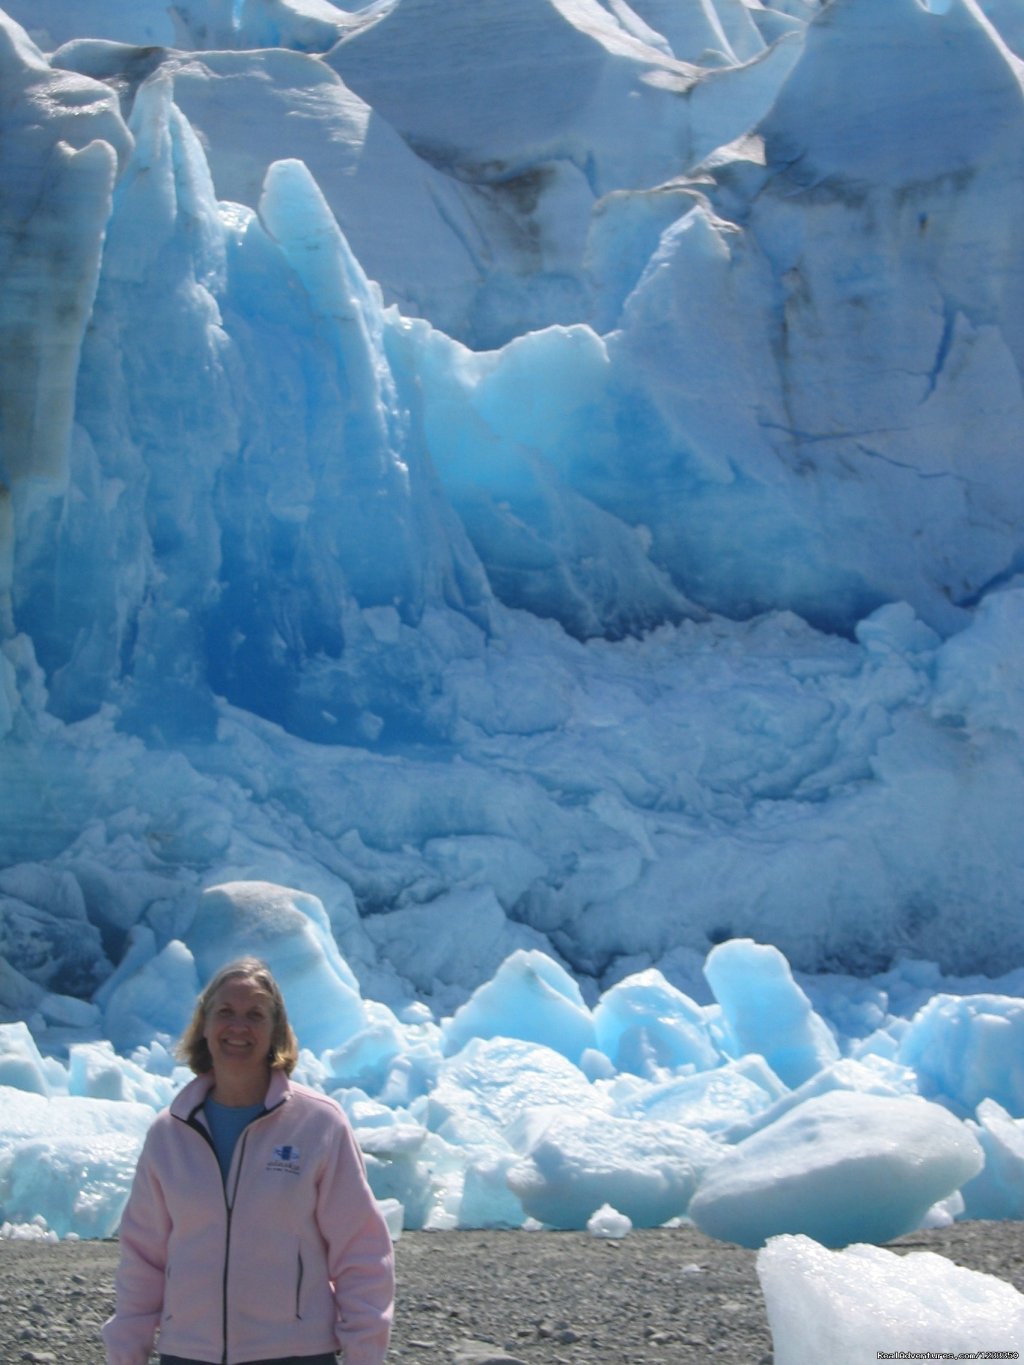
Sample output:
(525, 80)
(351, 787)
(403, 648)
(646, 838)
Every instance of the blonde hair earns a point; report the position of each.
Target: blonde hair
(284, 1046)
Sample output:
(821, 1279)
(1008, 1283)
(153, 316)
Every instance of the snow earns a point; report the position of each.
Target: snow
(518, 522)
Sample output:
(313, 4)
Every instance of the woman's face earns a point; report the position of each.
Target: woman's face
(239, 1025)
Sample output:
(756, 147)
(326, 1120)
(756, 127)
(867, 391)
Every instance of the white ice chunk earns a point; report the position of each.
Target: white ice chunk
(289, 929)
(765, 1011)
(997, 1191)
(720, 1101)
(492, 1080)
(848, 1307)
(965, 1049)
(95, 1071)
(644, 1024)
(529, 997)
(417, 1169)
(21, 1065)
(487, 1201)
(68, 1160)
(394, 1216)
(577, 1161)
(980, 673)
(154, 1001)
(945, 1212)
(464, 935)
(33, 1231)
(844, 1167)
(881, 1078)
(607, 1222)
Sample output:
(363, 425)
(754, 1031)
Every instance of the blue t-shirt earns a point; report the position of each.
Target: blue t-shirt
(226, 1126)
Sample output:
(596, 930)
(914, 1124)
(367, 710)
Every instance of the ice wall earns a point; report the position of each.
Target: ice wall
(591, 526)
(63, 137)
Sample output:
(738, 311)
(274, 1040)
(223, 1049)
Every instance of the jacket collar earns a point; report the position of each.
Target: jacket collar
(188, 1099)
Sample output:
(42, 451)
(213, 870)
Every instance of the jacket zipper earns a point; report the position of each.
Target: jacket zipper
(298, 1291)
(193, 1122)
(229, 1206)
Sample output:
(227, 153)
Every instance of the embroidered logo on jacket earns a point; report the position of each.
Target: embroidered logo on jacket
(285, 1159)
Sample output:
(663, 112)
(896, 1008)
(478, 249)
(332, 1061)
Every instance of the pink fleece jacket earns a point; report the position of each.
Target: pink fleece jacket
(290, 1256)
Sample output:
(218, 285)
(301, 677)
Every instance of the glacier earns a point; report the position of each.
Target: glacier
(517, 518)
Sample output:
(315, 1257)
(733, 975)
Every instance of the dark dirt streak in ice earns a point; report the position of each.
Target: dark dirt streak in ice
(484, 1298)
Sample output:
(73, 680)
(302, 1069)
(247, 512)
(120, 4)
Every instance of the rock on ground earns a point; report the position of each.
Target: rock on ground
(663, 1297)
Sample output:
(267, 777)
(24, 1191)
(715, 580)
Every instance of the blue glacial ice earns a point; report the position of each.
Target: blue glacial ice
(525, 1106)
(539, 560)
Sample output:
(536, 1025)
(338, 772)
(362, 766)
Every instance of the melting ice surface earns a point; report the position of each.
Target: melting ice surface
(539, 560)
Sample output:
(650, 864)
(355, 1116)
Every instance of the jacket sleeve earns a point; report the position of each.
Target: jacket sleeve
(360, 1260)
(139, 1284)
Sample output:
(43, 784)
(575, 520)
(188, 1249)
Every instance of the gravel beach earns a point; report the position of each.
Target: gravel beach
(662, 1297)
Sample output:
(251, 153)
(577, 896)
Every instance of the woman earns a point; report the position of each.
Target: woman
(250, 1233)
